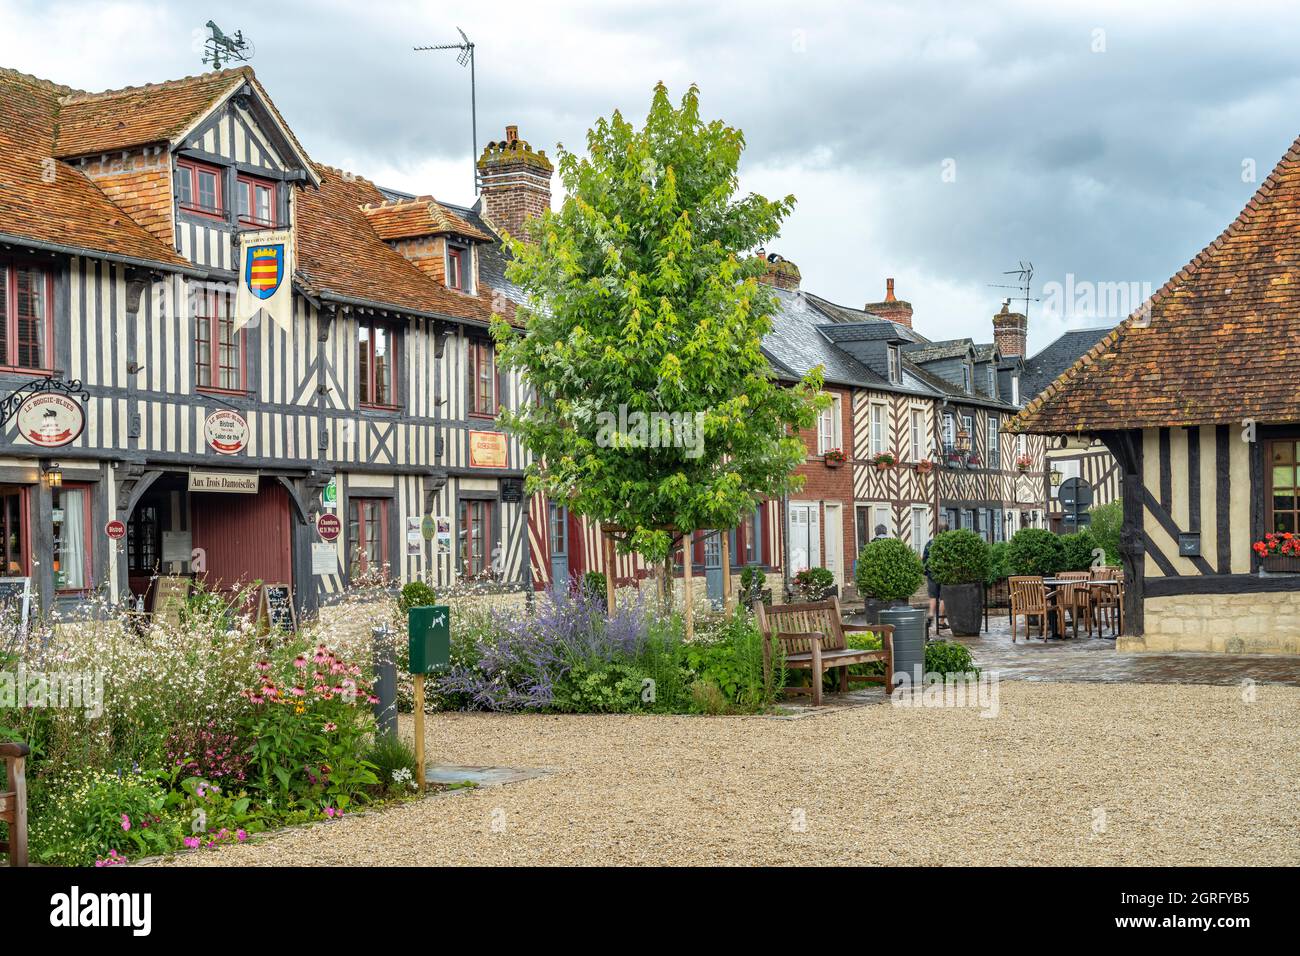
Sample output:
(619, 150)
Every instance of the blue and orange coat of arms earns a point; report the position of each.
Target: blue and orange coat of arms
(264, 269)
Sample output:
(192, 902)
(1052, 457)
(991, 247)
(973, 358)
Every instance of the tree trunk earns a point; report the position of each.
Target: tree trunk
(726, 572)
(609, 575)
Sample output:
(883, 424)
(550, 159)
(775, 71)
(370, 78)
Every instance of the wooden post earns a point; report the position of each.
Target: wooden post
(688, 588)
(726, 571)
(609, 574)
(419, 730)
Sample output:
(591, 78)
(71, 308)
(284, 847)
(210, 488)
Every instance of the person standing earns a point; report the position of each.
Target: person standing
(931, 585)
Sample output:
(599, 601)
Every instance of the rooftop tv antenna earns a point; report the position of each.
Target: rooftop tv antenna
(1024, 286)
(219, 49)
(465, 55)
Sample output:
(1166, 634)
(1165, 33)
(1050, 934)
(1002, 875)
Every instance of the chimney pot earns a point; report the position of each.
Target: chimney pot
(889, 290)
(512, 133)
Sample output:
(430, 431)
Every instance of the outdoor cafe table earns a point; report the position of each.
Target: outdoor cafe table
(1054, 622)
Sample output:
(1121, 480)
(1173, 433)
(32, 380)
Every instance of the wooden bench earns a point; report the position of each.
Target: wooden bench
(13, 802)
(812, 639)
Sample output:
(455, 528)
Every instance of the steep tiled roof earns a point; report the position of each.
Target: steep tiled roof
(47, 201)
(1218, 343)
(1045, 367)
(421, 216)
(847, 314)
(796, 347)
(137, 115)
(340, 255)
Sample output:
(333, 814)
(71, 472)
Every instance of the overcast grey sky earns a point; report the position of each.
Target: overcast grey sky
(938, 143)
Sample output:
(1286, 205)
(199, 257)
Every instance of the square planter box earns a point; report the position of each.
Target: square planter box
(1276, 564)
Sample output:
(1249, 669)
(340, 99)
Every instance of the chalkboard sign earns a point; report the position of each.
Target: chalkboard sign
(15, 605)
(276, 611)
(512, 489)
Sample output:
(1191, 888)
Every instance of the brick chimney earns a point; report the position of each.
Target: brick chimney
(515, 182)
(781, 272)
(893, 309)
(1010, 331)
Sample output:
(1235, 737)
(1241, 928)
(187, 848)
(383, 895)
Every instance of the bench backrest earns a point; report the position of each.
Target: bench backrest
(822, 617)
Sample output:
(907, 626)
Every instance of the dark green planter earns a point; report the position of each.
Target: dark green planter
(872, 607)
(964, 606)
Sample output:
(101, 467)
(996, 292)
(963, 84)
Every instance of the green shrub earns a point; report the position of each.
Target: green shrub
(1035, 551)
(1078, 549)
(596, 584)
(394, 762)
(84, 816)
(1105, 522)
(888, 570)
(596, 687)
(728, 655)
(416, 594)
(949, 657)
(958, 557)
(813, 584)
(998, 568)
(859, 641)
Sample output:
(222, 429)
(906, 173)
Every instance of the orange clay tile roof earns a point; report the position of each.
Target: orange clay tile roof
(1218, 343)
(159, 112)
(422, 216)
(340, 254)
(44, 200)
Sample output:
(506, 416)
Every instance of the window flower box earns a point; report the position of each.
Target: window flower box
(974, 460)
(834, 458)
(924, 466)
(884, 460)
(1024, 463)
(954, 459)
(1279, 553)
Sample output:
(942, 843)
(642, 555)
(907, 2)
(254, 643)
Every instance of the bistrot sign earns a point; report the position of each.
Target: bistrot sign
(226, 432)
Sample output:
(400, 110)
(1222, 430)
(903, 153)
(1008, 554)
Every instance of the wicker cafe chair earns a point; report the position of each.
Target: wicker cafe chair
(1029, 599)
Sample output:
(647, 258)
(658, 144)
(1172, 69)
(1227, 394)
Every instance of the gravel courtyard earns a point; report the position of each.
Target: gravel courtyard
(1081, 774)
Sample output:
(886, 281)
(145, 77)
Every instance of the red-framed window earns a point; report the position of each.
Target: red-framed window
(218, 346)
(1282, 474)
(255, 201)
(476, 538)
(26, 317)
(368, 534)
(376, 358)
(455, 269)
(70, 517)
(13, 526)
(199, 189)
(482, 379)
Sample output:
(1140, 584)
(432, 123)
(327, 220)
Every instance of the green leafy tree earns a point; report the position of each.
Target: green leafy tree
(1106, 522)
(642, 295)
(1035, 551)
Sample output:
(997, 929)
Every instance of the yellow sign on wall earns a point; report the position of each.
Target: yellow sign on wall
(487, 450)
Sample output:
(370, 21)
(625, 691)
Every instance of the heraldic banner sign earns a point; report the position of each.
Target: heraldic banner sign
(265, 277)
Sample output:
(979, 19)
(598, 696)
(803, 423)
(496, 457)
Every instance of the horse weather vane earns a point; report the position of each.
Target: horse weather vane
(220, 49)
(465, 56)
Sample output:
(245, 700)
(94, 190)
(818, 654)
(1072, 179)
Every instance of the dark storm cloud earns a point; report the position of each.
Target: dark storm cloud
(1112, 155)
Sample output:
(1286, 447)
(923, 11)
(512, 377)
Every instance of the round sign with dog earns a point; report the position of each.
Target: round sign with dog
(49, 420)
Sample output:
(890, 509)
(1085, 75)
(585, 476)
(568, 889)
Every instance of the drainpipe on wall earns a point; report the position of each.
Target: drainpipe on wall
(785, 542)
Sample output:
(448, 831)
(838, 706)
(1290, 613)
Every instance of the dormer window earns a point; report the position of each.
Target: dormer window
(993, 382)
(1015, 389)
(198, 188)
(256, 201)
(965, 378)
(895, 365)
(458, 268)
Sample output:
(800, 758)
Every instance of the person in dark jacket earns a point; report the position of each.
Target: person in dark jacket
(931, 585)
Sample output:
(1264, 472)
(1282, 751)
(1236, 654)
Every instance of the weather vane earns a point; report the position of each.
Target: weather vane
(465, 56)
(219, 48)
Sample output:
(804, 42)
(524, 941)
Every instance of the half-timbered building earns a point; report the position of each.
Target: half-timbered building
(1194, 395)
(215, 441)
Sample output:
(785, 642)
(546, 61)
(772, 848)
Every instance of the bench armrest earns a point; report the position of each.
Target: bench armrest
(14, 750)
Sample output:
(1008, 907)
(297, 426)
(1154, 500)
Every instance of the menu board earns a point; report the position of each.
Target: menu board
(15, 605)
(277, 611)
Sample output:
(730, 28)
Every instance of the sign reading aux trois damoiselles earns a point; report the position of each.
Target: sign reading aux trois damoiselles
(228, 482)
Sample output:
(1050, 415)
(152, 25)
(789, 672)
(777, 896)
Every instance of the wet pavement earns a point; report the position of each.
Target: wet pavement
(1095, 659)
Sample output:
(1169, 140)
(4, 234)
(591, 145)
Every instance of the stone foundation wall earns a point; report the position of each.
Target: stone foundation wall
(1264, 622)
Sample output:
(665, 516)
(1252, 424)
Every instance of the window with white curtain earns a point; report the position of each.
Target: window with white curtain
(829, 431)
(918, 434)
(878, 429)
(70, 554)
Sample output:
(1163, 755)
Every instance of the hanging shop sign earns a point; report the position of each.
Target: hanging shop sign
(330, 496)
(427, 527)
(487, 450)
(229, 482)
(328, 525)
(50, 420)
(265, 268)
(115, 529)
(226, 432)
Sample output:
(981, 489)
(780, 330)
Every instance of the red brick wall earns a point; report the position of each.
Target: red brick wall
(823, 483)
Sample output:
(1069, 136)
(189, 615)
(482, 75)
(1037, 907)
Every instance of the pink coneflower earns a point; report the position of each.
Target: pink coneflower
(298, 692)
(372, 699)
(263, 666)
(330, 727)
(319, 656)
(300, 662)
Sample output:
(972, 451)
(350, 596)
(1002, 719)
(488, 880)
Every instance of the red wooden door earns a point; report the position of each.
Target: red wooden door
(244, 538)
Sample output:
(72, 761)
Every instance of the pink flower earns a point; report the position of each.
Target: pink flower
(263, 666)
(300, 662)
(192, 842)
(297, 692)
(126, 822)
(241, 835)
(330, 726)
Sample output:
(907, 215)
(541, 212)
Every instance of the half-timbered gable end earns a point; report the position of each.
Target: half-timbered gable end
(1192, 395)
(123, 216)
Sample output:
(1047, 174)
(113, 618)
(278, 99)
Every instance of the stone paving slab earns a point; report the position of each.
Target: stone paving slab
(450, 774)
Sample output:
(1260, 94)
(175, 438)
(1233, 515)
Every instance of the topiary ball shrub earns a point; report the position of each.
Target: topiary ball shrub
(1035, 551)
(888, 570)
(1078, 550)
(959, 557)
(416, 594)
